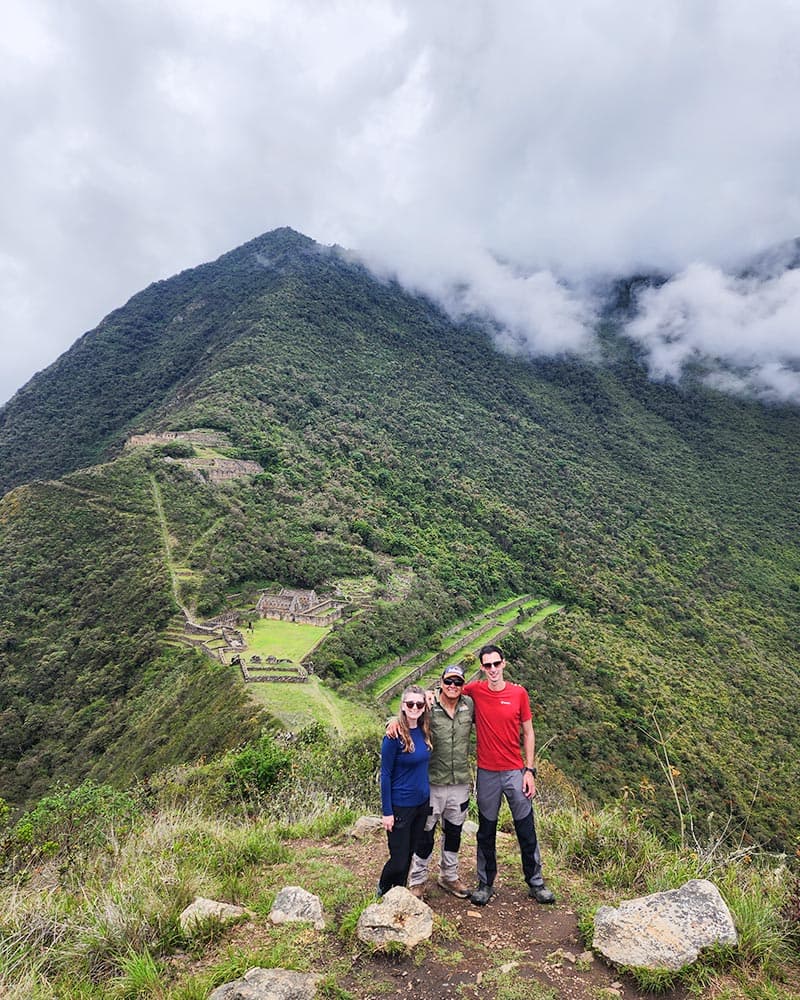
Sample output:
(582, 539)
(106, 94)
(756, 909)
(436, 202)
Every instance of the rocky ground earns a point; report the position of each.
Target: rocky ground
(505, 948)
(513, 948)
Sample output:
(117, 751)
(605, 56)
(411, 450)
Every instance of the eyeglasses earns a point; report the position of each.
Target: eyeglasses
(415, 704)
(494, 663)
(453, 680)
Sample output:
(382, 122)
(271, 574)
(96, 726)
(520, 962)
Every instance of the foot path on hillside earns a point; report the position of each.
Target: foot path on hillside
(321, 694)
(168, 562)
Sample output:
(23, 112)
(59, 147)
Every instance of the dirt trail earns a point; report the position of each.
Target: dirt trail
(513, 947)
(162, 521)
(476, 941)
(321, 694)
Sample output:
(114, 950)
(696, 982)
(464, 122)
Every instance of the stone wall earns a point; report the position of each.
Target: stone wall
(211, 439)
(218, 470)
(296, 676)
(276, 679)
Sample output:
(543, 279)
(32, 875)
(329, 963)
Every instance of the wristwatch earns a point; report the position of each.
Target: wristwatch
(533, 770)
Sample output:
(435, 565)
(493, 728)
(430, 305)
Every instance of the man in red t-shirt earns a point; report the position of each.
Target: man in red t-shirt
(502, 711)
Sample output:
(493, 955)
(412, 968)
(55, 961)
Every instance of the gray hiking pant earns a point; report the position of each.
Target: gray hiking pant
(491, 786)
(448, 804)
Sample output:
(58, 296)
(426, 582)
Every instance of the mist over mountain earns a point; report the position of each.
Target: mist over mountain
(393, 437)
(502, 151)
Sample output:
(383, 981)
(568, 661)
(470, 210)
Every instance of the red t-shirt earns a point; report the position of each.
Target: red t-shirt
(498, 718)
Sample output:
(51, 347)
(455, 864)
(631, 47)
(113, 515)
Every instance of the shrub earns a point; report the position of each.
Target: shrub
(71, 820)
(611, 845)
(259, 766)
(344, 769)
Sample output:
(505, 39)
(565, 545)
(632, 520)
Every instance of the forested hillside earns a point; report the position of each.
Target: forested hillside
(666, 517)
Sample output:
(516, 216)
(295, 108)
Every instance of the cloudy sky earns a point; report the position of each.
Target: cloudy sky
(507, 150)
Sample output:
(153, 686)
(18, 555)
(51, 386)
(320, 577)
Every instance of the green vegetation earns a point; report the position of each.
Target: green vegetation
(296, 706)
(399, 446)
(100, 919)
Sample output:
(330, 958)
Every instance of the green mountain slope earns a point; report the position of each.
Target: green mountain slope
(86, 686)
(667, 518)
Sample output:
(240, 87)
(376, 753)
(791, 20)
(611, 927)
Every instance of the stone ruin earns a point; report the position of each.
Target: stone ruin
(219, 470)
(211, 439)
(215, 470)
(304, 607)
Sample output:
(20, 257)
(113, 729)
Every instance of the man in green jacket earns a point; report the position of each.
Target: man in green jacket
(451, 725)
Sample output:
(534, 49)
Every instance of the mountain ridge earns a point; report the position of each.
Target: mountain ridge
(122, 341)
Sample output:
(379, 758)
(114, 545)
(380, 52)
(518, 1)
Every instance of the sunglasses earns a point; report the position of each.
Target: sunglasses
(415, 704)
(453, 680)
(494, 663)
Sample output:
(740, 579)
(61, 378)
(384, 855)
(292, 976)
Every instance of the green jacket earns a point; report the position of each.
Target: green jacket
(449, 763)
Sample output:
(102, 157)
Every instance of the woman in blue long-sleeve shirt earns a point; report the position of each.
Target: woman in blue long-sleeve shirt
(404, 785)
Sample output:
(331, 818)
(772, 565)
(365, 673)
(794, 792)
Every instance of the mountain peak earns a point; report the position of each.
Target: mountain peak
(277, 249)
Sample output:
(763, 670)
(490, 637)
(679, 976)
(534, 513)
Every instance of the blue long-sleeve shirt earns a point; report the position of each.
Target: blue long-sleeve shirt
(404, 776)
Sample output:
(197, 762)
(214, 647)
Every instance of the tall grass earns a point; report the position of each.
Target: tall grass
(98, 917)
(616, 856)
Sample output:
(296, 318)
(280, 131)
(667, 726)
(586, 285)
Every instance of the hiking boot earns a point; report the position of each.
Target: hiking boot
(417, 891)
(454, 886)
(541, 894)
(481, 895)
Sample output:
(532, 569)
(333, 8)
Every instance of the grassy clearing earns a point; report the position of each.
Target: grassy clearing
(282, 639)
(299, 705)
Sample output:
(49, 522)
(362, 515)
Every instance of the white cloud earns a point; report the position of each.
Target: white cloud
(475, 146)
(735, 322)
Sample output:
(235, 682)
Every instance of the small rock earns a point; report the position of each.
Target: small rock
(397, 917)
(269, 984)
(366, 826)
(293, 904)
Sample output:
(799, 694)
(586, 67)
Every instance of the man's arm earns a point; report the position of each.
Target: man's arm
(529, 755)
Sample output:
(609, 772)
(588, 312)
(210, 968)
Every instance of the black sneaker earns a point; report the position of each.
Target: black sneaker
(541, 894)
(481, 895)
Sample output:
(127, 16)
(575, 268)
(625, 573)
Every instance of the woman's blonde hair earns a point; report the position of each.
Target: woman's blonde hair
(424, 721)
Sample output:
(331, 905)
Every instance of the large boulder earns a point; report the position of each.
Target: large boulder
(295, 904)
(666, 930)
(269, 984)
(397, 918)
